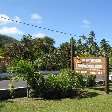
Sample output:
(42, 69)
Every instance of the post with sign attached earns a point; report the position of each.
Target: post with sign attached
(98, 66)
(107, 75)
(72, 53)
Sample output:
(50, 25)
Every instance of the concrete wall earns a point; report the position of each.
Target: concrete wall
(18, 92)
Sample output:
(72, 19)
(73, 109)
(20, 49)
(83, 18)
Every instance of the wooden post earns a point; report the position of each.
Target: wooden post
(72, 53)
(107, 75)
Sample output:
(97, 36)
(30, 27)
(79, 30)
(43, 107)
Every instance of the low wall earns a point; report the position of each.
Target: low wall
(18, 92)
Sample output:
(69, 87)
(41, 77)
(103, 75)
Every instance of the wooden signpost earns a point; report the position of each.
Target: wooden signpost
(72, 53)
(107, 75)
(98, 66)
(90, 65)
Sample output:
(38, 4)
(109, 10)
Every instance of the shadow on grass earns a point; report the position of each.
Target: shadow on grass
(98, 88)
(86, 94)
(101, 88)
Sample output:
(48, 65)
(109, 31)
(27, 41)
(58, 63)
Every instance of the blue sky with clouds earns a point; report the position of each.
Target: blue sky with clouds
(75, 17)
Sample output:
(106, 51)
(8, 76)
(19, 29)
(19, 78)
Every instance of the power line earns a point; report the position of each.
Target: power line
(24, 23)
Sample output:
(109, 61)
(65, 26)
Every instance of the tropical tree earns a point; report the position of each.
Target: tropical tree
(57, 59)
(105, 48)
(21, 50)
(25, 71)
(92, 46)
(30, 49)
(87, 46)
(43, 45)
(80, 47)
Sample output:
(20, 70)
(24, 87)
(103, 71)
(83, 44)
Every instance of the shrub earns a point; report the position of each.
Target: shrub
(11, 89)
(2, 68)
(25, 71)
(65, 84)
(37, 85)
(32, 93)
(90, 81)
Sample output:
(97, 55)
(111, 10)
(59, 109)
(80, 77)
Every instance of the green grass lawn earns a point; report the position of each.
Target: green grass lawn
(91, 101)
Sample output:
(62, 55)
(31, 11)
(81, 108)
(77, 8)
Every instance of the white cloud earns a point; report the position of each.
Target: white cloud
(10, 31)
(36, 18)
(39, 35)
(86, 23)
(5, 21)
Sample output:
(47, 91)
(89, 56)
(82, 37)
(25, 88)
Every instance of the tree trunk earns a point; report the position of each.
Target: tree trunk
(27, 90)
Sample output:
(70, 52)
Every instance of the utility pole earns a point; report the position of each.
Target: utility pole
(72, 53)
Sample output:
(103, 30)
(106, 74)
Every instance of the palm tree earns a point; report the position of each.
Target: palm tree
(105, 48)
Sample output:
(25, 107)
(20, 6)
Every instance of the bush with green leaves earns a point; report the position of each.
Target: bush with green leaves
(2, 67)
(65, 84)
(90, 81)
(26, 71)
(37, 85)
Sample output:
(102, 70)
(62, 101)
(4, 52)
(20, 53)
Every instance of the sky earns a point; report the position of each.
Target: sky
(76, 17)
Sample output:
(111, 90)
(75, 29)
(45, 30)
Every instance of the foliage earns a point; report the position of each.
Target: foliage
(39, 64)
(44, 45)
(30, 49)
(11, 89)
(51, 58)
(55, 60)
(2, 68)
(1, 57)
(2, 63)
(105, 48)
(87, 45)
(40, 49)
(65, 84)
(20, 50)
(37, 85)
(4, 40)
(90, 81)
(24, 71)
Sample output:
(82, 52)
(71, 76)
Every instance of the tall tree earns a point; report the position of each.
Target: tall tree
(92, 46)
(105, 48)
(21, 50)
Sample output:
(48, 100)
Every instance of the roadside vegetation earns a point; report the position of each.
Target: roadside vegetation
(66, 91)
(42, 51)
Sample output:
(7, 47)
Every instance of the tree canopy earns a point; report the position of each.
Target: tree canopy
(42, 51)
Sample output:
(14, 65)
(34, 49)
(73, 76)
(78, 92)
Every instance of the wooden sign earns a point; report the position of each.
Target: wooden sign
(90, 65)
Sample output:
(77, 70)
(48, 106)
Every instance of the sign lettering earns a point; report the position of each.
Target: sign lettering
(90, 65)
